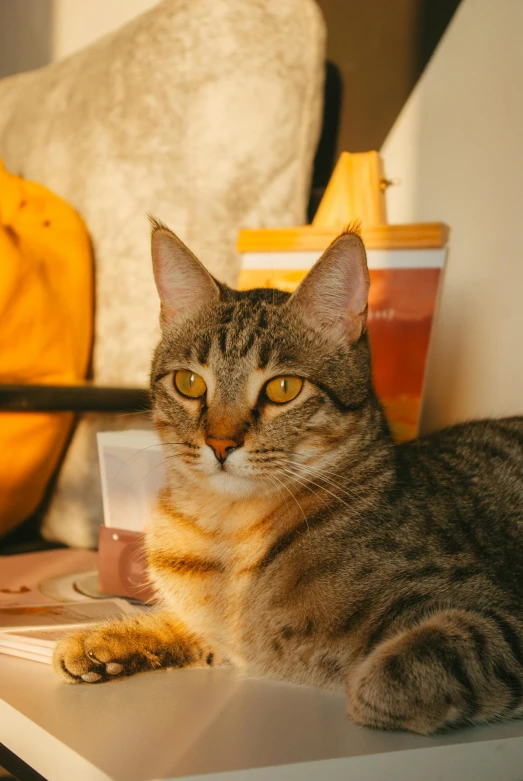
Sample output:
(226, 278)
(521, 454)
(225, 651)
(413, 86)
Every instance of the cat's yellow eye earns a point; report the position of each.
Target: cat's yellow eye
(283, 389)
(189, 383)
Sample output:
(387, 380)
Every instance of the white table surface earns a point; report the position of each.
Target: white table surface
(212, 724)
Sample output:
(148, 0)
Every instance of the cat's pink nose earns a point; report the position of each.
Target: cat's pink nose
(222, 447)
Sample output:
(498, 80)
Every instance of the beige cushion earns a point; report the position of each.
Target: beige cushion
(204, 113)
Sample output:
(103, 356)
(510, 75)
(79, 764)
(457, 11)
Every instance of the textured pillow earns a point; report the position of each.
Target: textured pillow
(204, 113)
(45, 331)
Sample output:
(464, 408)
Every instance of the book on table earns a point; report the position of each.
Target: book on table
(32, 631)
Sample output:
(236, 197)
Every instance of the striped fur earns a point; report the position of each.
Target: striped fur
(321, 553)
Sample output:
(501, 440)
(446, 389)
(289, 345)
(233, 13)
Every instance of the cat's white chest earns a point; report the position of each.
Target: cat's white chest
(205, 579)
(211, 605)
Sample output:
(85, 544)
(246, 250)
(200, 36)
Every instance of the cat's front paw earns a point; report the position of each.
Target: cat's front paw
(420, 680)
(384, 693)
(101, 654)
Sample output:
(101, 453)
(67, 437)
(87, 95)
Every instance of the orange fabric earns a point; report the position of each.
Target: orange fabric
(46, 313)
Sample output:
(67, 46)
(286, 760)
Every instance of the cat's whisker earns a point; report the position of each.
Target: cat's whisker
(342, 476)
(160, 463)
(306, 485)
(305, 481)
(141, 450)
(295, 499)
(320, 472)
(355, 512)
(269, 477)
(141, 588)
(320, 476)
(150, 471)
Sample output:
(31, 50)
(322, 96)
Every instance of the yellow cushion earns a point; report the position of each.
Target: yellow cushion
(46, 315)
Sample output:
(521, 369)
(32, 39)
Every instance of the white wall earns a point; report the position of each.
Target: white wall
(34, 33)
(458, 148)
(25, 35)
(78, 23)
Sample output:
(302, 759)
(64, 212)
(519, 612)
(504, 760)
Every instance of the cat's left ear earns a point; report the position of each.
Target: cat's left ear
(334, 293)
(183, 283)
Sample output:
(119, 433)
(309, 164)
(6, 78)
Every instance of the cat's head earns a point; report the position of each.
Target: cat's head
(248, 385)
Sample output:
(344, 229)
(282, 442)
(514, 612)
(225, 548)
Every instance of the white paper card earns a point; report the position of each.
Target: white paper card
(132, 473)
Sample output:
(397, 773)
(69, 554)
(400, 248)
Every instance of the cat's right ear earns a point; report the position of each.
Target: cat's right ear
(334, 293)
(183, 283)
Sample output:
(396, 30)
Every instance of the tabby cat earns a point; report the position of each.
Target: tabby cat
(294, 539)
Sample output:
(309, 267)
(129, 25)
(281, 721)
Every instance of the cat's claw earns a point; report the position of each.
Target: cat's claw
(114, 668)
(91, 677)
(111, 668)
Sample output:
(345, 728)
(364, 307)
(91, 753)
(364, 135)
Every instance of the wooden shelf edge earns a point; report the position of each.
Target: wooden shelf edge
(426, 235)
